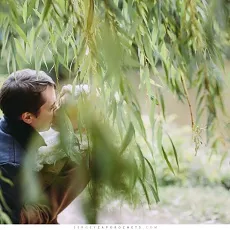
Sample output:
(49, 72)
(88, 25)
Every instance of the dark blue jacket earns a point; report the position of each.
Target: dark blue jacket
(15, 137)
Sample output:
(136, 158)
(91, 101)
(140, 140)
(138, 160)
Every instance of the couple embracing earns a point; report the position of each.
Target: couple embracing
(29, 103)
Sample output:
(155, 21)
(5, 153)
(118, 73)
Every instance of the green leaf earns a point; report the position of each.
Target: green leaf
(39, 55)
(162, 103)
(58, 22)
(119, 120)
(174, 151)
(31, 6)
(37, 13)
(137, 113)
(14, 64)
(153, 174)
(5, 218)
(155, 193)
(3, 202)
(199, 113)
(24, 12)
(145, 190)
(223, 158)
(148, 49)
(44, 60)
(166, 69)
(128, 137)
(20, 32)
(159, 136)
(20, 50)
(141, 157)
(46, 9)
(114, 110)
(90, 15)
(6, 180)
(31, 38)
(8, 61)
(200, 101)
(56, 66)
(112, 7)
(134, 175)
(167, 160)
(5, 36)
(14, 54)
(154, 83)
(13, 9)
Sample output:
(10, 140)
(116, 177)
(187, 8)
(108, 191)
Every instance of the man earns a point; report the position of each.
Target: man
(28, 102)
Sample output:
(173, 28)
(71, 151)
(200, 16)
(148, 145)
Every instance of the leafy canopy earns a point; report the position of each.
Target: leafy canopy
(173, 44)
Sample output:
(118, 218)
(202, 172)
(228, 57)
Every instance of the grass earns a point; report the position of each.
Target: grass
(196, 205)
(178, 205)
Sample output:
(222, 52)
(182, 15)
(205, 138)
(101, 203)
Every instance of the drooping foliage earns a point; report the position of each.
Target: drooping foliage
(172, 44)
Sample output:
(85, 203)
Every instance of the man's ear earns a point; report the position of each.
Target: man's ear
(27, 117)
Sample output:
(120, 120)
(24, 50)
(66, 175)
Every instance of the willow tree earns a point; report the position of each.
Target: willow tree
(173, 44)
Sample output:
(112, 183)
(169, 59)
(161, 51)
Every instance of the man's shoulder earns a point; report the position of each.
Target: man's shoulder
(10, 150)
(6, 140)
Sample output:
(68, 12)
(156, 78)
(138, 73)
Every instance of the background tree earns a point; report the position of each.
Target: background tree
(173, 44)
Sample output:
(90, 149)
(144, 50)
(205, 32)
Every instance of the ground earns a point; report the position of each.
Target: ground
(206, 205)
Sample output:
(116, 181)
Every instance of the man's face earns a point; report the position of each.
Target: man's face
(45, 117)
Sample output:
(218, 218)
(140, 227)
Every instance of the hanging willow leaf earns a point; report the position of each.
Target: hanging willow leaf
(139, 120)
(174, 151)
(39, 54)
(47, 6)
(128, 137)
(5, 35)
(31, 6)
(90, 15)
(4, 218)
(141, 157)
(20, 33)
(145, 190)
(24, 13)
(99, 42)
(167, 160)
(109, 4)
(13, 7)
(6, 180)
(159, 136)
(223, 158)
(20, 50)
(162, 103)
(5, 205)
(134, 178)
(155, 193)
(153, 174)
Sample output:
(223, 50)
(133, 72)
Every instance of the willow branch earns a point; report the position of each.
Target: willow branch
(188, 100)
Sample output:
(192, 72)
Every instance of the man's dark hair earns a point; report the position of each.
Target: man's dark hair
(21, 92)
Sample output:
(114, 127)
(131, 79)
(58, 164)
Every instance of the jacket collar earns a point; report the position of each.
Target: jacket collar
(22, 132)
